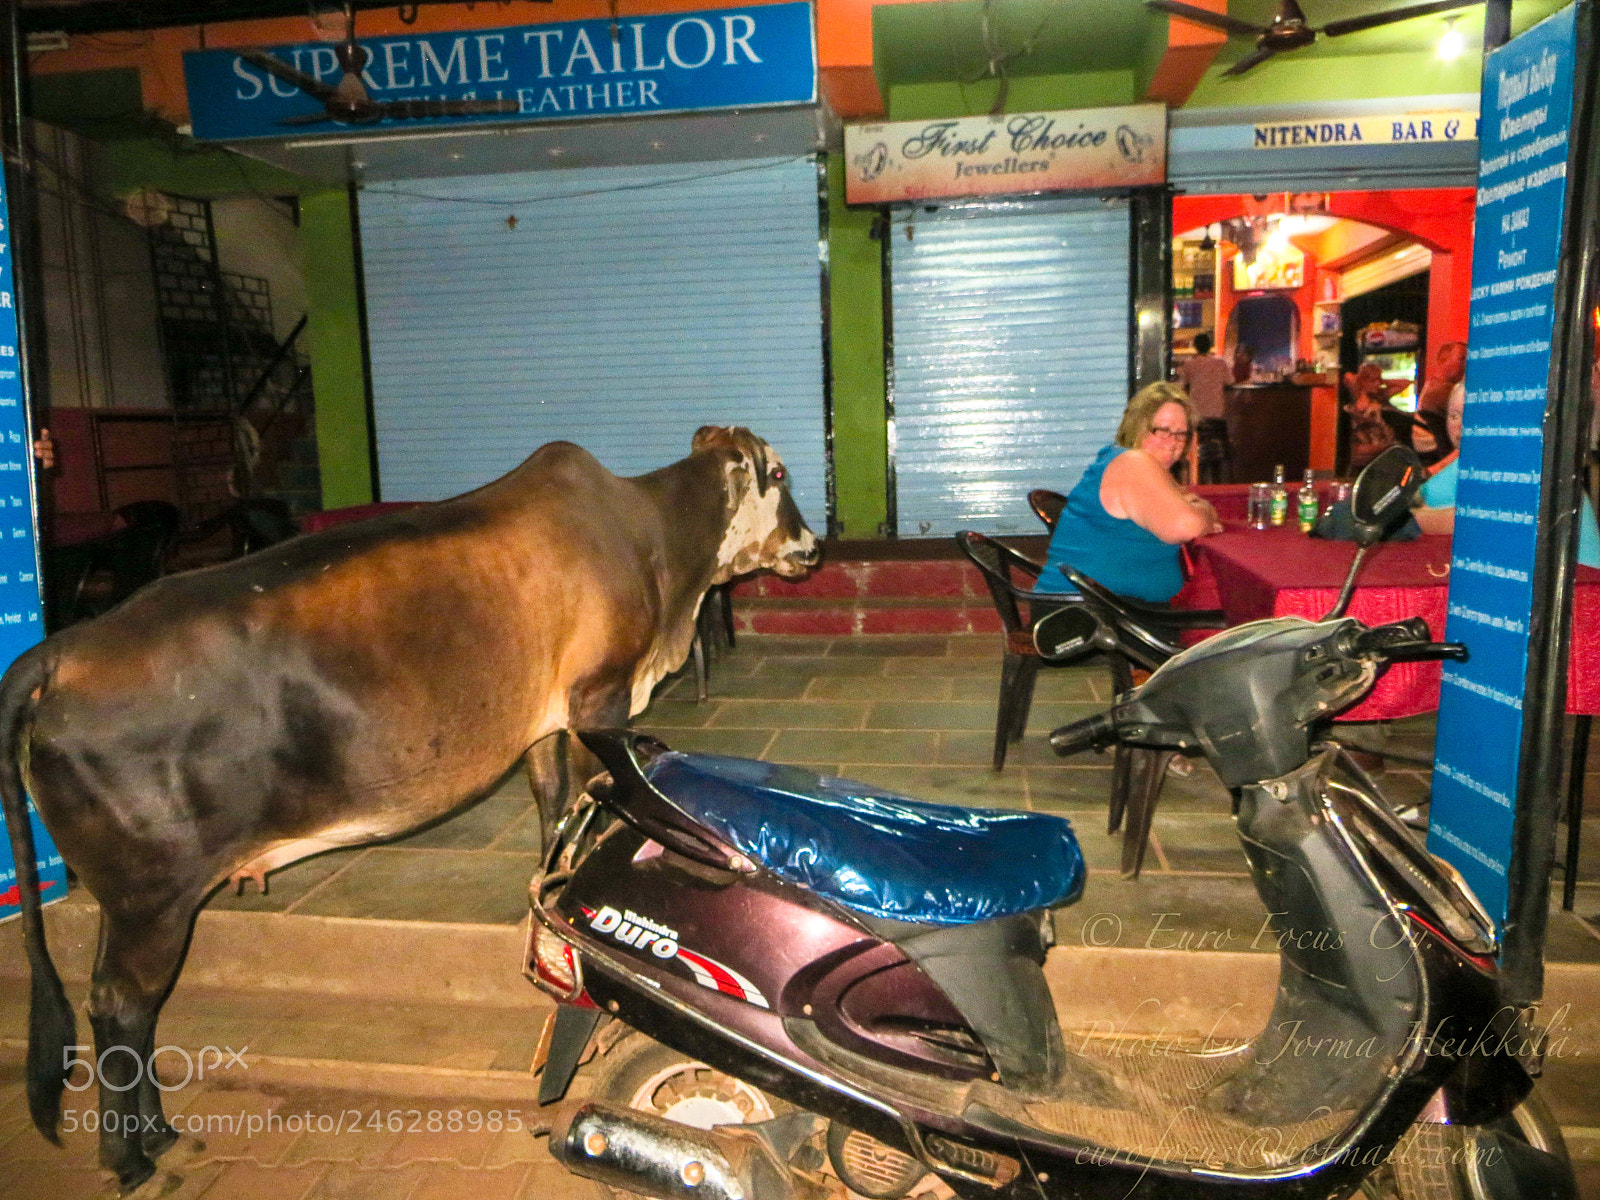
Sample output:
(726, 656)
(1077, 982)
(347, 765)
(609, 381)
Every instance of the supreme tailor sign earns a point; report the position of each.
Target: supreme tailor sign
(759, 56)
(1089, 149)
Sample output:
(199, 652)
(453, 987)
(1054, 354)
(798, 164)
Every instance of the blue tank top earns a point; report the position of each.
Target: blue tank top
(1114, 551)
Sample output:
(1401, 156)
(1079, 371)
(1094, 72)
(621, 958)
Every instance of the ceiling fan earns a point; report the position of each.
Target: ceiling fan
(347, 102)
(1289, 30)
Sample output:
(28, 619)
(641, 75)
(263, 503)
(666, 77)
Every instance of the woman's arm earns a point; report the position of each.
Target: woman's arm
(1136, 488)
(1436, 520)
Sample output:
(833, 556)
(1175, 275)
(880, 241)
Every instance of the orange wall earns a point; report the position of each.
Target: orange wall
(1439, 218)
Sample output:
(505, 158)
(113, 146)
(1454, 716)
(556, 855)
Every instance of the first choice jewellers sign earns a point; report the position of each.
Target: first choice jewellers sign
(759, 56)
(1086, 149)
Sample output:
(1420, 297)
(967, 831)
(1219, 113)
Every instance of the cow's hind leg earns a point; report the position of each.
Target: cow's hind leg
(137, 962)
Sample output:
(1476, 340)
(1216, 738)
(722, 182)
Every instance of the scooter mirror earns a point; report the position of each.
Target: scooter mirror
(1383, 492)
(1066, 634)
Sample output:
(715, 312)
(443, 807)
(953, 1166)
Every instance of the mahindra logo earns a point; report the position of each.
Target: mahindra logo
(641, 933)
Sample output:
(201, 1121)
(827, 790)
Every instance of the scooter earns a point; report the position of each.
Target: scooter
(842, 986)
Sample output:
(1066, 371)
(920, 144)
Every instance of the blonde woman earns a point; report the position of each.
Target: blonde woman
(1127, 516)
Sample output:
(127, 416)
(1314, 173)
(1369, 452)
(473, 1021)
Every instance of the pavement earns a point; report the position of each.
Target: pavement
(373, 984)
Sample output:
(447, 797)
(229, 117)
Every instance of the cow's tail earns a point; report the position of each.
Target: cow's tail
(51, 1027)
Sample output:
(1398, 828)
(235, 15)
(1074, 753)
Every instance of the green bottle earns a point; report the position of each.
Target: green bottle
(1280, 496)
(1306, 503)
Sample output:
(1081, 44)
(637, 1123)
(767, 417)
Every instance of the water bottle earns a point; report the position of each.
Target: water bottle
(1280, 496)
(1306, 503)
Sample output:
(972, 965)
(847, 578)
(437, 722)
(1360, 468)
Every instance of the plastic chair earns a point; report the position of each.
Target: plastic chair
(1146, 637)
(109, 569)
(1010, 575)
(1047, 506)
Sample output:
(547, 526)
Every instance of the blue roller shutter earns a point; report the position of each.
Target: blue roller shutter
(624, 308)
(1010, 327)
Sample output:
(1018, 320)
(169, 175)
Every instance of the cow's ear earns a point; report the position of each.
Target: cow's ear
(712, 436)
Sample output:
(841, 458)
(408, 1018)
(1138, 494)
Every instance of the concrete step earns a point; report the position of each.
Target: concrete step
(1117, 988)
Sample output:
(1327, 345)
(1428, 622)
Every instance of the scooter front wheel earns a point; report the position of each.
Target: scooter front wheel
(1493, 1162)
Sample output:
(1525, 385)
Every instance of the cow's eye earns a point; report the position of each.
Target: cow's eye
(776, 475)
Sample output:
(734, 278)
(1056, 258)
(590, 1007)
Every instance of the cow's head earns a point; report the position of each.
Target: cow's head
(765, 530)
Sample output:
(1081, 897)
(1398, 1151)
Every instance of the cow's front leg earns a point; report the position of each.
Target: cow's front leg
(547, 764)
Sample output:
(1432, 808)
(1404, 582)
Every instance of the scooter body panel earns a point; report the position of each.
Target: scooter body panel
(1374, 1015)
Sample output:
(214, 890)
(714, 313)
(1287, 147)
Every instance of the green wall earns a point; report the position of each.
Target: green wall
(855, 301)
(333, 330)
(1026, 93)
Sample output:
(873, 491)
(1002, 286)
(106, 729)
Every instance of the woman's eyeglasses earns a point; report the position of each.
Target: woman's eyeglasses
(1176, 435)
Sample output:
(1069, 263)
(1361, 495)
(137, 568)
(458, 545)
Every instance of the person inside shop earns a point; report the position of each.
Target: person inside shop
(1375, 424)
(1126, 518)
(1438, 495)
(1207, 376)
(1244, 363)
(1449, 369)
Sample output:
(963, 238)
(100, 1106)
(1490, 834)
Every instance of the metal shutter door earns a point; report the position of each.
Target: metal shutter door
(626, 308)
(1010, 331)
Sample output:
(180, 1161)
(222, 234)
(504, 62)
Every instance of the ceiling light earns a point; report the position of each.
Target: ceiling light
(1453, 43)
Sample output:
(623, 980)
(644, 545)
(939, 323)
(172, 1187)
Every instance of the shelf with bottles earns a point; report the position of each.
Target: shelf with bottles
(1194, 271)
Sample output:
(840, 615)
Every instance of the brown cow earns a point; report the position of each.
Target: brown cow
(343, 687)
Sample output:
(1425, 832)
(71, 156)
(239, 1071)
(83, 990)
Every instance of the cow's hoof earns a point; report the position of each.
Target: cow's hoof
(156, 1142)
(154, 1186)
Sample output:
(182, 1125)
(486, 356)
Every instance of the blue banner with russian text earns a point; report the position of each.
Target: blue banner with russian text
(760, 56)
(21, 612)
(1522, 173)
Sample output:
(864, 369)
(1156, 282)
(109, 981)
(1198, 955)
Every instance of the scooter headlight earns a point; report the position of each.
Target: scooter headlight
(555, 965)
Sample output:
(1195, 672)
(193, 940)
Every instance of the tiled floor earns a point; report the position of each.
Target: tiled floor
(296, 1143)
(913, 714)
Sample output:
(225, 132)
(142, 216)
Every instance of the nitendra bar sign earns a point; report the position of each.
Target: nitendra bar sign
(760, 56)
(1452, 125)
(1522, 173)
(1087, 149)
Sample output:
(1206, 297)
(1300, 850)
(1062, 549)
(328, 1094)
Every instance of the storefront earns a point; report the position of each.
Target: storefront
(1010, 335)
(1315, 239)
(631, 263)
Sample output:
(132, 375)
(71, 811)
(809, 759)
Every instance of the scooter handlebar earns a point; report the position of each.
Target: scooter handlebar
(1426, 652)
(1404, 641)
(1087, 734)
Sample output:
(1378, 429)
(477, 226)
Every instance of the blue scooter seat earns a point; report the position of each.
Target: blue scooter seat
(874, 851)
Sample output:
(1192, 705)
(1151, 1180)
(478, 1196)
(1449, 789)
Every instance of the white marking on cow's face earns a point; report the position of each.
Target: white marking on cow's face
(766, 531)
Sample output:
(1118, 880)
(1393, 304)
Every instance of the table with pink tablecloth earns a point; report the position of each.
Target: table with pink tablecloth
(1251, 574)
